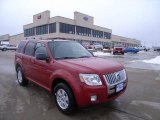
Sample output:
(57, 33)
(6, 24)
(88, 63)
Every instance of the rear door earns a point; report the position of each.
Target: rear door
(28, 60)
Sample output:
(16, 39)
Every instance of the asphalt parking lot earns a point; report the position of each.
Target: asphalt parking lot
(141, 101)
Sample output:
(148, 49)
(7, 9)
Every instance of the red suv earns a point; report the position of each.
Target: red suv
(69, 72)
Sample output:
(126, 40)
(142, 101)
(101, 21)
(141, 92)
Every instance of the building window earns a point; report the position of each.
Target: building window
(67, 28)
(29, 32)
(97, 33)
(52, 28)
(42, 30)
(83, 31)
(107, 35)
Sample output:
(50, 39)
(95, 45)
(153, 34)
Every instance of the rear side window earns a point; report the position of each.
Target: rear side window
(29, 49)
(21, 46)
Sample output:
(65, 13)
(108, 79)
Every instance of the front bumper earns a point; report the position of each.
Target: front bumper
(104, 93)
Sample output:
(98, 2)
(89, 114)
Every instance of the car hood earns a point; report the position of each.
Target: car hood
(93, 65)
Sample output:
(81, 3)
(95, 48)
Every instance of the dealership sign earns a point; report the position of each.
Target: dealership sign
(85, 18)
(39, 17)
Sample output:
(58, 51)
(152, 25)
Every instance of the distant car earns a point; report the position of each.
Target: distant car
(87, 45)
(141, 48)
(7, 47)
(131, 50)
(98, 46)
(118, 50)
(106, 47)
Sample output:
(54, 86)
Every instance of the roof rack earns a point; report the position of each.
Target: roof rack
(37, 38)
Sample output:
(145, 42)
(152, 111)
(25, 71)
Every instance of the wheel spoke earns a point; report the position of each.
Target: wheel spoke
(19, 76)
(62, 99)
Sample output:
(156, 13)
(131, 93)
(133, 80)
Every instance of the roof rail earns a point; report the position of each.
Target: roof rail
(36, 38)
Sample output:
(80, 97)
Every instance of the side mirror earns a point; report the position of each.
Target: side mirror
(41, 56)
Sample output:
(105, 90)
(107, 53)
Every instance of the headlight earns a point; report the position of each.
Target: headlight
(90, 79)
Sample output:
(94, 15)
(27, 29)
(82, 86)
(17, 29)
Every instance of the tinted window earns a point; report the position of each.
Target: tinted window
(29, 49)
(67, 28)
(97, 33)
(21, 46)
(40, 48)
(29, 32)
(107, 35)
(68, 50)
(83, 31)
(42, 29)
(52, 28)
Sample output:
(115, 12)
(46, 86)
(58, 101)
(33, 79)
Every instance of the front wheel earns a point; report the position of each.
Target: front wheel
(64, 98)
(20, 77)
(4, 49)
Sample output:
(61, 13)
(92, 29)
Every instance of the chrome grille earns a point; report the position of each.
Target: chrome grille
(116, 77)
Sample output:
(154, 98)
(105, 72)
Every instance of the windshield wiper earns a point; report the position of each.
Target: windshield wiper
(65, 58)
(84, 57)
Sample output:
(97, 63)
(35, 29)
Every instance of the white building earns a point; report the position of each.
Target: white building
(81, 29)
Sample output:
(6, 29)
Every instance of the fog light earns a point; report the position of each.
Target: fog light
(93, 98)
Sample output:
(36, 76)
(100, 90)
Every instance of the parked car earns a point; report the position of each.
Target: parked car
(118, 50)
(7, 47)
(106, 47)
(131, 50)
(156, 48)
(87, 45)
(98, 46)
(69, 72)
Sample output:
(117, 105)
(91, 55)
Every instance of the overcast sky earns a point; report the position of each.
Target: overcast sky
(139, 19)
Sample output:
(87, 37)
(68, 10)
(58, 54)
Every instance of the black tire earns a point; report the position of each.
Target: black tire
(23, 81)
(4, 49)
(70, 109)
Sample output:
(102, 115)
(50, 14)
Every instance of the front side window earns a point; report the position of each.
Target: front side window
(29, 49)
(40, 49)
(68, 50)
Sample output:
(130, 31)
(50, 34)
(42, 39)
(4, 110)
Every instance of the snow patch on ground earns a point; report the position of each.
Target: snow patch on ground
(155, 60)
(101, 54)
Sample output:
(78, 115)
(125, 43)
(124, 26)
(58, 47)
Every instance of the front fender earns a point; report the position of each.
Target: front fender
(72, 79)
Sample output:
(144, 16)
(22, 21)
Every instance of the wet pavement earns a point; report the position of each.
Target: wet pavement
(141, 101)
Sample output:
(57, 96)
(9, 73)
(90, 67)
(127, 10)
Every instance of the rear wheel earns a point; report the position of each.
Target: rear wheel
(64, 98)
(20, 77)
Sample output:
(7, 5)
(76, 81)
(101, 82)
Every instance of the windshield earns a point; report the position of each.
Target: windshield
(68, 50)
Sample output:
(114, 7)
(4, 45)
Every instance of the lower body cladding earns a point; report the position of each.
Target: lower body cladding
(91, 95)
